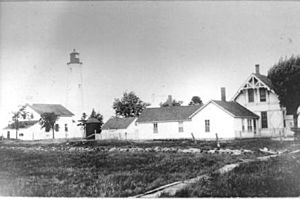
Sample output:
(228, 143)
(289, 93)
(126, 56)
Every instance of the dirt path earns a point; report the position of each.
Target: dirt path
(172, 188)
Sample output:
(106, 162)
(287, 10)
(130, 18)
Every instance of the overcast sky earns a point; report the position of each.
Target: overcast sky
(152, 48)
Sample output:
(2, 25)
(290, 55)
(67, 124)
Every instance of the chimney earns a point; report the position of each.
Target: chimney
(256, 68)
(223, 94)
(170, 100)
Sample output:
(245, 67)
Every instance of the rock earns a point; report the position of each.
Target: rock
(190, 150)
(149, 149)
(236, 152)
(265, 150)
(211, 151)
(247, 151)
(165, 149)
(157, 149)
(124, 150)
(112, 149)
(173, 149)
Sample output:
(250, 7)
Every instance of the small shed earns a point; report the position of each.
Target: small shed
(119, 129)
(92, 127)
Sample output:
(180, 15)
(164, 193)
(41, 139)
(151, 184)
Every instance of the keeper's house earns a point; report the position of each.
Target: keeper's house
(254, 111)
(30, 129)
(216, 118)
(257, 94)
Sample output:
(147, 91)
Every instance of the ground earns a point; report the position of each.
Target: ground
(121, 168)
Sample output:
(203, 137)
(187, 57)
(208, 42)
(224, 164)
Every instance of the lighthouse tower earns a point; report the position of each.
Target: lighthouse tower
(74, 92)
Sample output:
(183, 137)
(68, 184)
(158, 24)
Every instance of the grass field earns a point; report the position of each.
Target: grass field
(53, 169)
(278, 177)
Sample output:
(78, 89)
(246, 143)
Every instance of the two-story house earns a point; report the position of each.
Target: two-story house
(257, 94)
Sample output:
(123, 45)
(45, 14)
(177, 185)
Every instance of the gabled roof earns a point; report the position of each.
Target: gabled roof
(49, 108)
(172, 113)
(262, 78)
(235, 109)
(118, 123)
(22, 124)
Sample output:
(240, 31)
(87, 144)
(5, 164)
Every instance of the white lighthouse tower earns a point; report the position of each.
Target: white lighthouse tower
(74, 92)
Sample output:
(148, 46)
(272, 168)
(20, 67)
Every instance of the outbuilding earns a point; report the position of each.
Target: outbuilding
(92, 127)
(119, 129)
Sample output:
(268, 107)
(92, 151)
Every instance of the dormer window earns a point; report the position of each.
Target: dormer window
(262, 94)
(250, 95)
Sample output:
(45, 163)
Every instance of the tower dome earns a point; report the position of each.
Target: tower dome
(74, 58)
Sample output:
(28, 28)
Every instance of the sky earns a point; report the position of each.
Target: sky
(154, 48)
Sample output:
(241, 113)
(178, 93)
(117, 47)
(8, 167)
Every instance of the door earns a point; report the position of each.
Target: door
(254, 126)
(8, 134)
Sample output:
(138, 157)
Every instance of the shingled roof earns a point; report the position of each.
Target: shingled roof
(22, 124)
(118, 123)
(172, 113)
(49, 108)
(235, 109)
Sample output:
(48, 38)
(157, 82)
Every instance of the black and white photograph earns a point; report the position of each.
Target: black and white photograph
(149, 98)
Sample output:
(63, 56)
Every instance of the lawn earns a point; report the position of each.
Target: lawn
(278, 177)
(53, 169)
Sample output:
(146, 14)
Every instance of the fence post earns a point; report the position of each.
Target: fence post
(280, 135)
(193, 137)
(217, 140)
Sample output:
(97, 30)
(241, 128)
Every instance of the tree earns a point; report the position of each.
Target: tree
(21, 113)
(48, 121)
(129, 106)
(285, 78)
(97, 116)
(170, 102)
(82, 120)
(196, 100)
(93, 114)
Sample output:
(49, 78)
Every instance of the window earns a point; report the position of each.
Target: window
(21, 134)
(47, 128)
(243, 125)
(56, 127)
(262, 94)
(155, 128)
(66, 128)
(264, 120)
(250, 95)
(180, 127)
(207, 126)
(249, 124)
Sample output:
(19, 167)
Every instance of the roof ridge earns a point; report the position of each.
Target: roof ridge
(46, 104)
(173, 106)
(236, 109)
